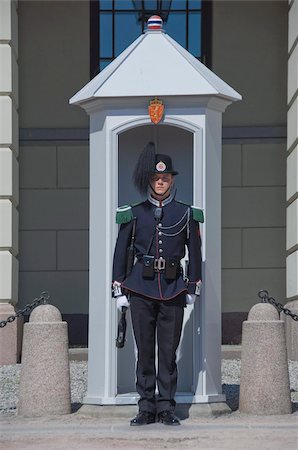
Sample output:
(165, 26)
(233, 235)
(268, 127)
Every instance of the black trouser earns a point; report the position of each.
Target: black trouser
(163, 319)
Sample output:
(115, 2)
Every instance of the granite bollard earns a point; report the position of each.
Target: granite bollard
(264, 380)
(45, 378)
(291, 330)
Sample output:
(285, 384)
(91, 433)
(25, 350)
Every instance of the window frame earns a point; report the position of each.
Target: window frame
(206, 35)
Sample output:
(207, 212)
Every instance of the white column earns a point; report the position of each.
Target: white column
(208, 315)
(102, 312)
(292, 157)
(8, 176)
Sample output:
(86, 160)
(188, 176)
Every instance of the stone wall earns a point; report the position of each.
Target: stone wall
(54, 62)
(9, 194)
(9, 149)
(292, 161)
(54, 223)
(54, 165)
(253, 228)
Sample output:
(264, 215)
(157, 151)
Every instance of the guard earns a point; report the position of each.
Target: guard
(148, 277)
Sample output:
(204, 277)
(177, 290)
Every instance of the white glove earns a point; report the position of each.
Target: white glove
(122, 301)
(190, 299)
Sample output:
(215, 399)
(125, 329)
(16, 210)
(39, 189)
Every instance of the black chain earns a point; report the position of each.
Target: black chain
(44, 299)
(264, 296)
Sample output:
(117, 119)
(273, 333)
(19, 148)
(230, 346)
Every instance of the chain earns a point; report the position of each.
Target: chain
(44, 298)
(177, 223)
(264, 296)
(173, 234)
(186, 214)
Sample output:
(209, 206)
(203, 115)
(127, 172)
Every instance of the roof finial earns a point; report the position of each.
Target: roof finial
(154, 23)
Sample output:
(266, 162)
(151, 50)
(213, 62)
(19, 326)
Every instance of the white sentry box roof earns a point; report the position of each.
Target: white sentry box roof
(154, 65)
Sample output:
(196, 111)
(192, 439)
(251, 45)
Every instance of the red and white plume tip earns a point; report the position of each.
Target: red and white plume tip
(155, 23)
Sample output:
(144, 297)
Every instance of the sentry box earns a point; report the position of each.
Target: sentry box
(186, 101)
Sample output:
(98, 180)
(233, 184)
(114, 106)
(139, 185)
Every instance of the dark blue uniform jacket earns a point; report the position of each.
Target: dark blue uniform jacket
(172, 232)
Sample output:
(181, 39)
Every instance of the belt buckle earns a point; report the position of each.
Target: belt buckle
(159, 264)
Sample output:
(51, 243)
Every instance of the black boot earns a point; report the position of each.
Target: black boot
(168, 418)
(143, 418)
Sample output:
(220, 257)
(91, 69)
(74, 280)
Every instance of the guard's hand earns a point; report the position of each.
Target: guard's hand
(190, 299)
(122, 301)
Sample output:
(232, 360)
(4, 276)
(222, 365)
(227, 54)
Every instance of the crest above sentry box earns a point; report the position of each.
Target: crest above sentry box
(154, 65)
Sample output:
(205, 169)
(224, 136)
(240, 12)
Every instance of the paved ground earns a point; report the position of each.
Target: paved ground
(83, 431)
(90, 428)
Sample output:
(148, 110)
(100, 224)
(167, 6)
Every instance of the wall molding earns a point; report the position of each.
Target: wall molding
(53, 134)
(82, 134)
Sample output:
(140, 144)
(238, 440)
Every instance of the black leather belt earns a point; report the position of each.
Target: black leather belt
(161, 264)
(170, 267)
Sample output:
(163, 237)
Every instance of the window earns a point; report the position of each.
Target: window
(115, 24)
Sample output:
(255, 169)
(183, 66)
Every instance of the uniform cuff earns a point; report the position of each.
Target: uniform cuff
(194, 287)
(116, 289)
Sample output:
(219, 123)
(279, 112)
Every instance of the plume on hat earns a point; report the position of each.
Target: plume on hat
(144, 167)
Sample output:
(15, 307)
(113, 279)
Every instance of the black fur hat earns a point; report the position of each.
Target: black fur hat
(149, 163)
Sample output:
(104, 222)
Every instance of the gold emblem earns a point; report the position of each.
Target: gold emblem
(156, 110)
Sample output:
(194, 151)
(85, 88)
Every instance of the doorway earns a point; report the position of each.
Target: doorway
(178, 143)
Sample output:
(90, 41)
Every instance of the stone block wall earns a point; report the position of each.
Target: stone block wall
(54, 64)
(292, 161)
(54, 223)
(9, 195)
(253, 228)
(54, 226)
(9, 148)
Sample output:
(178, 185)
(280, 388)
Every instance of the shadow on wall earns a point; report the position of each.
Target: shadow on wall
(232, 327)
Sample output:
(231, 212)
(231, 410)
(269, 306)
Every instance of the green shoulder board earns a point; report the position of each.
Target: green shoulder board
(197, 214)
(124, 214)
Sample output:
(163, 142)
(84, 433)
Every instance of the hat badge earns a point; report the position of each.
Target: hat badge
(160, 166)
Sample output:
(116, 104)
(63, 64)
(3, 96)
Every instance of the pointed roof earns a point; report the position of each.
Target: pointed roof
(155, 65)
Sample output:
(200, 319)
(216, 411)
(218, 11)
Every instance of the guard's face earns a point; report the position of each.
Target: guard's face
(161, 183)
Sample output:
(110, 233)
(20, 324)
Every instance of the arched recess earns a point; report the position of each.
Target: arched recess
(183, 142)
(190, 161)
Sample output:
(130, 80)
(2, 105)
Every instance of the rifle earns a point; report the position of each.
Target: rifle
(120, 340)
(130, 255)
